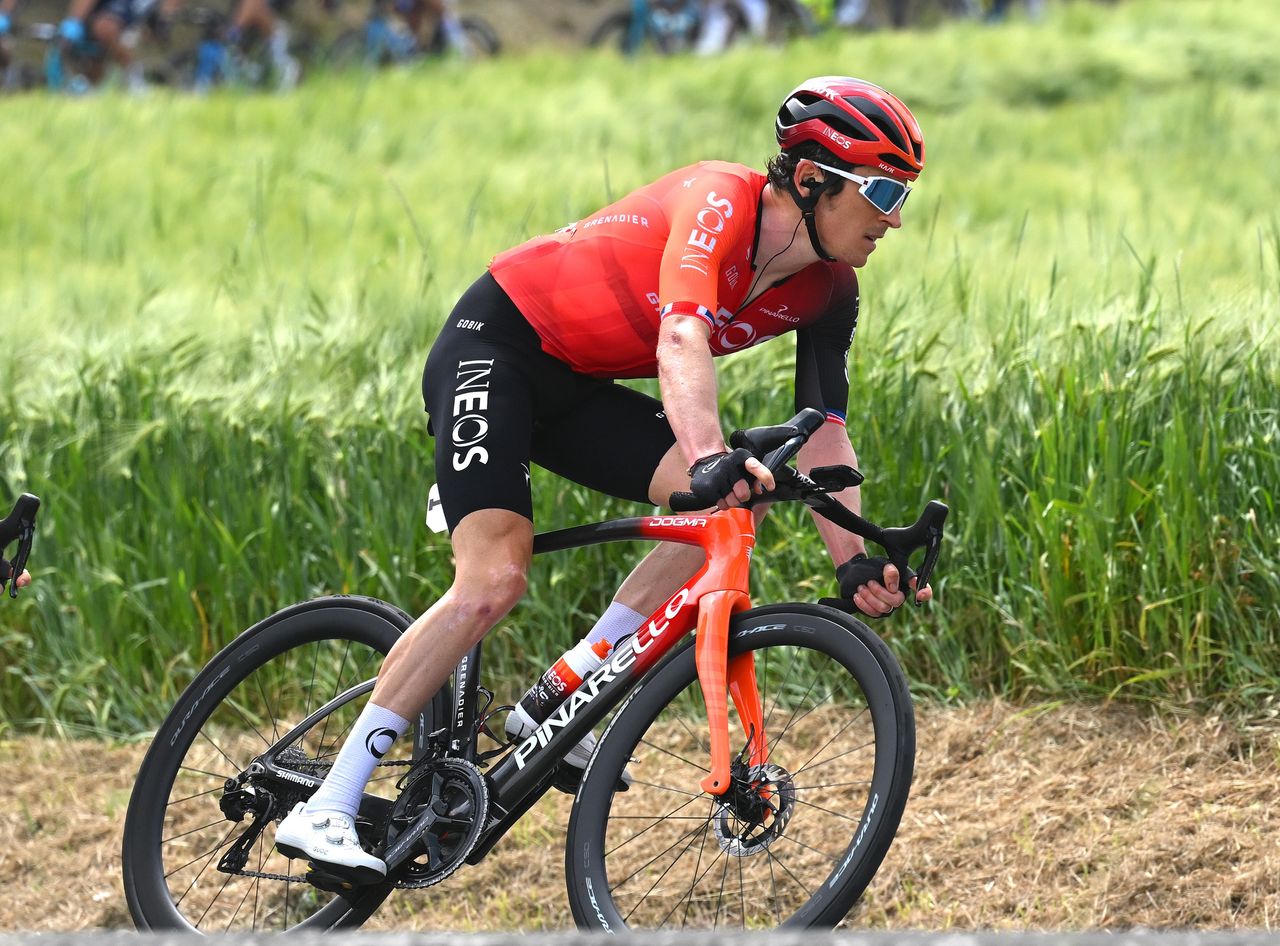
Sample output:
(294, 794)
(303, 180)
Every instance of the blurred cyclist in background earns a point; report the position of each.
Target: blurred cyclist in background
(717, 23)
(265, 18)
(113, 25)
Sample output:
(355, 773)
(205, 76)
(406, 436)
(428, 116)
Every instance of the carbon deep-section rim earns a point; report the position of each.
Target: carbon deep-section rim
(795, 842)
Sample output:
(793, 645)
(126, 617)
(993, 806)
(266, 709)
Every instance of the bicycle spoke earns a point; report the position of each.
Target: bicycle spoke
(711, 810)
(668, 788)
(837, 735)
(205, 827)
(742, 895)
(212, 853)
(774, 857)
(341, 670)
(179, 801)
(724, 872)
(188, 768)
(675, 756)
(813, 788)
(248, 722)
(275, 731)
(218, 749)
(656, 823)
(692, 831)
(660, 877)
(800, 801)
(818, 765)
(209, 906)
(239, 906)
(808, 847)
(215, 850)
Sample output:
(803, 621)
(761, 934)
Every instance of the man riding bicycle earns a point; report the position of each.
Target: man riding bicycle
(707, 260)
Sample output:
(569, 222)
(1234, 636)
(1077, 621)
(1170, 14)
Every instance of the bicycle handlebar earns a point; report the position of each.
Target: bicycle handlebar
(775, 446)
(19, 526)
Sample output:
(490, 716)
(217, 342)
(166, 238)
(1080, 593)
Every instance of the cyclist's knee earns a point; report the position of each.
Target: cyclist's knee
(486, 595)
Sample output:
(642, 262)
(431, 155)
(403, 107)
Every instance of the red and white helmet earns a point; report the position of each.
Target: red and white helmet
(854, 120)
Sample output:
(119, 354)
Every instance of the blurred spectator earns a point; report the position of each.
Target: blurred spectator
(717, 23)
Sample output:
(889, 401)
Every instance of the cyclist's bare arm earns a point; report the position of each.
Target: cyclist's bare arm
(79, 9)
(687, 379)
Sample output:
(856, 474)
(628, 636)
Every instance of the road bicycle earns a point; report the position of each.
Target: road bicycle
(782, 823)
(390, 36)
(674, 26)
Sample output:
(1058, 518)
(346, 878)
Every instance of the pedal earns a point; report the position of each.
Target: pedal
(324, 877)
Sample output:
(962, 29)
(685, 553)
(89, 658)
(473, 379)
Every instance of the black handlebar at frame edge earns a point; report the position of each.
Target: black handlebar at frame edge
(19, 526)
(775, 446)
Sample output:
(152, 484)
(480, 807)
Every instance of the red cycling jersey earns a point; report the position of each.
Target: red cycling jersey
(596, 290)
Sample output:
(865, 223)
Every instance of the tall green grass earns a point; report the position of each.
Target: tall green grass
(215, 313)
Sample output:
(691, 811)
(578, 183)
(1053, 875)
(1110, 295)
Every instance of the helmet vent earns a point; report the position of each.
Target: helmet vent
(881, 119)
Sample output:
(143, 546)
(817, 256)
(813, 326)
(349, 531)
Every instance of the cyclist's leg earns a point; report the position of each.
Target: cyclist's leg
(481, 404)
(492, 548)
(107, 28)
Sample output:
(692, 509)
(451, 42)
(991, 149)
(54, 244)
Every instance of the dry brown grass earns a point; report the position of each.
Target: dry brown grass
(1049, 817)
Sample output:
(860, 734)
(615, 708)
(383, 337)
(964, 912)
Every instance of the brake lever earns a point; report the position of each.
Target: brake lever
(23, 518)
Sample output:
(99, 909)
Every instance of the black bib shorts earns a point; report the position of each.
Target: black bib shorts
(497, 401)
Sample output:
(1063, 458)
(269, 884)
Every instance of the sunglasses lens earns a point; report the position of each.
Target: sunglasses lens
(886, 194)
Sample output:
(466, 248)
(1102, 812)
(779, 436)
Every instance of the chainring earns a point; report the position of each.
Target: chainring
(456, 793)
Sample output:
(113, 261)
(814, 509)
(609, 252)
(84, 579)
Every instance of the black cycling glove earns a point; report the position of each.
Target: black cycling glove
(5, 570)
(861, 570)
(714, 476)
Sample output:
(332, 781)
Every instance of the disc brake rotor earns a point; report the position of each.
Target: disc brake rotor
(756, 810)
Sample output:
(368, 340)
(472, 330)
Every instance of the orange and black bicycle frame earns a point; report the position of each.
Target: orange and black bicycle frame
(705, 603)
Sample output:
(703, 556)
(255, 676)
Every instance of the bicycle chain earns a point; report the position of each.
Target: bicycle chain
(289, 878)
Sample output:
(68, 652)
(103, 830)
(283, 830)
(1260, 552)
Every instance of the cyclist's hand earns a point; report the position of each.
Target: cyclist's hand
(872, 584)
(4, 24)
(721, 480)
(6, 570)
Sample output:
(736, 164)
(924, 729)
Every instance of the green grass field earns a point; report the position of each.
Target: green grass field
(215, 311)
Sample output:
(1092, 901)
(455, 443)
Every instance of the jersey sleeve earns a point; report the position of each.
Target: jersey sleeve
(822, 351)
(707, 219)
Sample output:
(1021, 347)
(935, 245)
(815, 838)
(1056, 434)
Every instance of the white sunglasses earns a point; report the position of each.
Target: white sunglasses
(884, 193)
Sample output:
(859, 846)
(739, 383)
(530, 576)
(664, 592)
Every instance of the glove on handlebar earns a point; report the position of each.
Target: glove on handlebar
(5, 571)
(861, 570)
(714, 476)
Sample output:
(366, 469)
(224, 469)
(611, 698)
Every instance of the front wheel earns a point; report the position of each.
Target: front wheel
(796, 839)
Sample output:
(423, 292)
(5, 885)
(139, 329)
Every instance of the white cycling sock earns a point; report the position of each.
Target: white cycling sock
(616, 623)
(370, 738)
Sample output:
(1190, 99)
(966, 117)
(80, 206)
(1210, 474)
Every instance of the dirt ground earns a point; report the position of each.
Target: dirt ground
(1048, 817)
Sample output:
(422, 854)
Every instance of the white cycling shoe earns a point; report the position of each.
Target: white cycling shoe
(329, 839)
(518, 726)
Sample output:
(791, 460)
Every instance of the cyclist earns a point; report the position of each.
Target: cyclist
(263, 18)
(111, 24)
(707, 260)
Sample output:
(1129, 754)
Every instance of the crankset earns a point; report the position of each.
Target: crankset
(435, 822)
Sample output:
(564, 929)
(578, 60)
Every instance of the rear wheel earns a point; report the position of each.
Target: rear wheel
(795, 841)
(200, 828)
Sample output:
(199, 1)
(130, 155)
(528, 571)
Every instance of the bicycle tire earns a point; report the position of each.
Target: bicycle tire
(790, 630)
(368, 628)
(482, 37)
(349, 50)
(613, 31)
